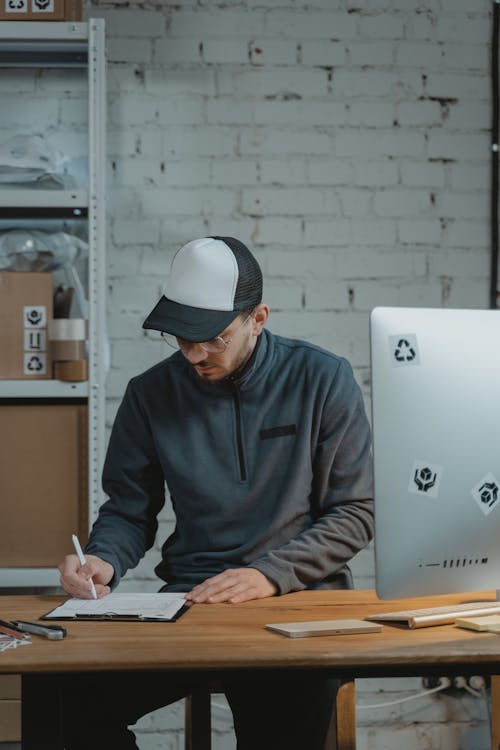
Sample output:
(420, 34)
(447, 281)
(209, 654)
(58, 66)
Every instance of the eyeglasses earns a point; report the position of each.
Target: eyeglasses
(217, 345)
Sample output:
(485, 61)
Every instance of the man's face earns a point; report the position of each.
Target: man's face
(213, 367)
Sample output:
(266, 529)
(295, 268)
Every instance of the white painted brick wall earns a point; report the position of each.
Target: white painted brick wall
(348, 144)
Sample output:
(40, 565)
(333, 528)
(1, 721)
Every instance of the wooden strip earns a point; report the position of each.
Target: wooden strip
(346, 716)
(495, 712)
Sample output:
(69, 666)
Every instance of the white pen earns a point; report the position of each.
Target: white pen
(82, 559)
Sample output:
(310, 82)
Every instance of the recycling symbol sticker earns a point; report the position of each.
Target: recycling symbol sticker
(425, 478)
(404, 350)
(35, 364)
(486, 493)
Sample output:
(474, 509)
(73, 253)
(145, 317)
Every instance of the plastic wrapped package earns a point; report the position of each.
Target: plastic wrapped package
(61, 253)
(66, 257)
(28, 159)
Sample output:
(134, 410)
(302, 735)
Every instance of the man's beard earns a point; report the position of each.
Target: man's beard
(207, 378)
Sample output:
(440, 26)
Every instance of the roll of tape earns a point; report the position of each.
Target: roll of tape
(65, 350)
(66, 329)
(75, 371)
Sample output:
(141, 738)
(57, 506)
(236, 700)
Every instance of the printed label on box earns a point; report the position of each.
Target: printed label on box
(42, 6)
(35, 316)
(16, 6)
(35, 364)
(35, 340)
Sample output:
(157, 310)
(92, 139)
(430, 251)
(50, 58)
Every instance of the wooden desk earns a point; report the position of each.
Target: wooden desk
(219, 638)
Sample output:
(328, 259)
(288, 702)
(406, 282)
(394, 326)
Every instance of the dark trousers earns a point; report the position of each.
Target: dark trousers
(270, 711)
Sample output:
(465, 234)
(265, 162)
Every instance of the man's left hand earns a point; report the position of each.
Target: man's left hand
(233, 585)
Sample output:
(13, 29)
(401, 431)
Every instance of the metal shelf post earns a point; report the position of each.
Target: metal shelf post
(97, 267)
(35, 44)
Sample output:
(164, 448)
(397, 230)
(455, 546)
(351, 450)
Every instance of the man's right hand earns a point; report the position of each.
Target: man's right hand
(75, 577)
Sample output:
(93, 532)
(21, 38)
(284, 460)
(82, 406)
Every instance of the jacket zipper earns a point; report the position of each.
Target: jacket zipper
(239, 435)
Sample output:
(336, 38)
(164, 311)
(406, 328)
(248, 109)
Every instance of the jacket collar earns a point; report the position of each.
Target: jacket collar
(244, 377)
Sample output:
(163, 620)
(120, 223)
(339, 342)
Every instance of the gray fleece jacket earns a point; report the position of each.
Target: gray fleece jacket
(269, 469)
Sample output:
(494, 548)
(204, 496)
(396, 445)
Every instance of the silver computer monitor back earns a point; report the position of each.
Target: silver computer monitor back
(436, 439)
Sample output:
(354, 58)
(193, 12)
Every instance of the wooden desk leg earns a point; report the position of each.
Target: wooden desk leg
(40, 713)
(198, 724)
(342, 732)
(495, 712)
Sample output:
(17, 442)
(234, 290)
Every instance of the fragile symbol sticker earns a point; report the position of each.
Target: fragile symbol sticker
(42, 6)
(425, 479)
(486, 493)
(35, 316)
(404, 350)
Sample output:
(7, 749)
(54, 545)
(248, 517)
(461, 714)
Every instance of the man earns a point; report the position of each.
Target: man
(264, 445)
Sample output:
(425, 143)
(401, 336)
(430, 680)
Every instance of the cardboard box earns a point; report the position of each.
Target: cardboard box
(40, 10)
(26, 303)
(10, 720)
(10, 708)
(10, 686)
(43, 481)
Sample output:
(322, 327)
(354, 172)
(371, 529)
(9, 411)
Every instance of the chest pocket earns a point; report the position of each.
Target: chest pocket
(279, 431)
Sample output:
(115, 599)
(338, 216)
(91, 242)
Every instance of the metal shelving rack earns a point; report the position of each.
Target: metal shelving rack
(57, 44)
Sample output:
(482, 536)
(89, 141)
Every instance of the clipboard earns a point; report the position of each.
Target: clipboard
(165, 607)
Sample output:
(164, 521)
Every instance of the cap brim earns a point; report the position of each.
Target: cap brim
(190, 323)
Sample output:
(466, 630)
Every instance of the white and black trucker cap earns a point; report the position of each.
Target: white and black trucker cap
(212, 280)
